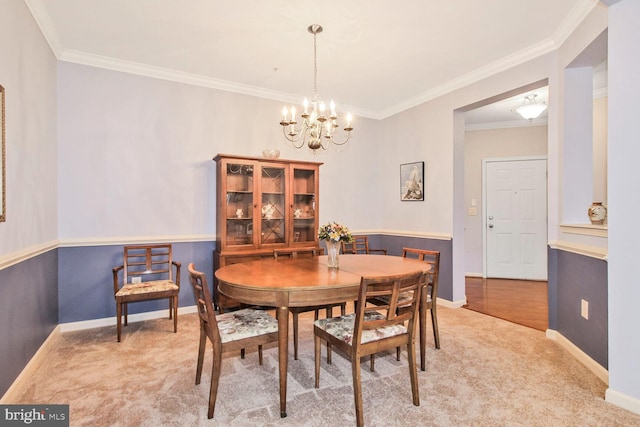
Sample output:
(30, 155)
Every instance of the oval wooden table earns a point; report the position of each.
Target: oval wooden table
(299, 282)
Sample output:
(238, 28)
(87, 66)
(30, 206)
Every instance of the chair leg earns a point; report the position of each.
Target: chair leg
(434, 322)
(295, 336)
(126, 313)
(215, 379)
(260, 354)
(372, 362)
(175, 314)
(398, 354)
(170, 307)
(316, 349)
(413, 372)
(201, 349)
(119, 319)
(242, 353)
(357, 390)
(422, 314)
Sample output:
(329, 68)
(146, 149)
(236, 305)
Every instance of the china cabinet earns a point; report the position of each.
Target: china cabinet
(262, 205)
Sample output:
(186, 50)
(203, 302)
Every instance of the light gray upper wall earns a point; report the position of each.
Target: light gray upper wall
(28, 72)
(136, 156)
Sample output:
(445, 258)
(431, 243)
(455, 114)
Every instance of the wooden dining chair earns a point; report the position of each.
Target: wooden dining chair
(147, 274)
(428, 301)
(295, 311)
(360, 245)
(227, 332)
(374, 328)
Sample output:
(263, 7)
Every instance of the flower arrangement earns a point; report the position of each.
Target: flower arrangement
(334, 232)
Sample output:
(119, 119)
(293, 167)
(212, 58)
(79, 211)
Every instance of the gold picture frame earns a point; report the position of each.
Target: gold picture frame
(3, 175)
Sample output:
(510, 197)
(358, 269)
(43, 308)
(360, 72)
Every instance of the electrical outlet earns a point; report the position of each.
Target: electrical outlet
(584, 309)
(136, 279)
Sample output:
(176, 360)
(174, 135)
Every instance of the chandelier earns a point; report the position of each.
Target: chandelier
(530, 109)
(318, 126)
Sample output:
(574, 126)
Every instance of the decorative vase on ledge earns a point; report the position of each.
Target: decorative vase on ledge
(597, 213)
(333, 252)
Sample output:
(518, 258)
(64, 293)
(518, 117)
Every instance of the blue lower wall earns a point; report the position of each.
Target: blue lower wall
(394, 245)
(86, 281)
(28, 312)
(572, 278)
(75, 284)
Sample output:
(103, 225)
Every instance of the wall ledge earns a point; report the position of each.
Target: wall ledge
(589, 251)
(585, 229)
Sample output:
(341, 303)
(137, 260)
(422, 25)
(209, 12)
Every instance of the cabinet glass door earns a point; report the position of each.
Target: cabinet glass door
(304, 206)
(273, 205)
(239, 214)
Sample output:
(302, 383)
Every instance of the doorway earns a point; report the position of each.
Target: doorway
(515, 217)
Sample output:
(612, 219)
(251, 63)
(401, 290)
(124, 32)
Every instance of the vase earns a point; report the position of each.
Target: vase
(333, 253)
(597, 213)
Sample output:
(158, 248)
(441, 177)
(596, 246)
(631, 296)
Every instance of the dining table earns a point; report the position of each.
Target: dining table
(300, 282)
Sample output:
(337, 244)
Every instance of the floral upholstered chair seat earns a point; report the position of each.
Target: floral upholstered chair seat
(245, 323)
(342, 328)
(146, 287)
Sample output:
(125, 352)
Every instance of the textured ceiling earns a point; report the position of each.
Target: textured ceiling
(375, 57)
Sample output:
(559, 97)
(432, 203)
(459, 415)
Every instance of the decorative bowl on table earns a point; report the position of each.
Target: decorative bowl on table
(271, 153)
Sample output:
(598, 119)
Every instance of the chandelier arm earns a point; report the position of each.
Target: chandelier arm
(340, 143)
(293, 140)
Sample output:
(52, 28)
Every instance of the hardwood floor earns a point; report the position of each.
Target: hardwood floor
(524, 302)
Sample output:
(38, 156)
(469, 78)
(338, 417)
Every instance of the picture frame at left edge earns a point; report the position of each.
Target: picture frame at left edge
(412, 181)
(3, 175)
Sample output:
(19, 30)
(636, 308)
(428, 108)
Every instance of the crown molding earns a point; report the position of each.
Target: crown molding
(579, 12)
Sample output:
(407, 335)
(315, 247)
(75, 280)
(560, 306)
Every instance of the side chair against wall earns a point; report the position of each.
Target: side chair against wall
(428, 299)
(360, 245)
(295, 311)
(151, 268)
(374, 328)
(227, 332)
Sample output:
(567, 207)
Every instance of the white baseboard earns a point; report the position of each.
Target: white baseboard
(53, 337)
(110, 321)
(473, 275)
(582, 357)
(622, 400)
(37, 359)
(451, 304)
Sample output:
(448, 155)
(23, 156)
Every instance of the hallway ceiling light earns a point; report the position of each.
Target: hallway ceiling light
(530, 109)
(318, 127)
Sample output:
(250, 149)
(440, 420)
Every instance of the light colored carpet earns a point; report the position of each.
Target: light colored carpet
(489, 372)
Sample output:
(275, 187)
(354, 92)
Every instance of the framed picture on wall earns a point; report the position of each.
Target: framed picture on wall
(412, 181)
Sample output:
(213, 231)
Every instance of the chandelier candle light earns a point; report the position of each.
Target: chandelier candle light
(318, 125)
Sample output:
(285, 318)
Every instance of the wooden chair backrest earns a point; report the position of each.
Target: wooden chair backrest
(396, 311)
(206, 312)
(150, 262)
(359, 245)
(431, 257)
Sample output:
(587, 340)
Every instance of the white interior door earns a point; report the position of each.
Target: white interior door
(515, 218)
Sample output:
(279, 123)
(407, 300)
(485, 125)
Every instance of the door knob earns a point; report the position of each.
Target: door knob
(490, 225)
